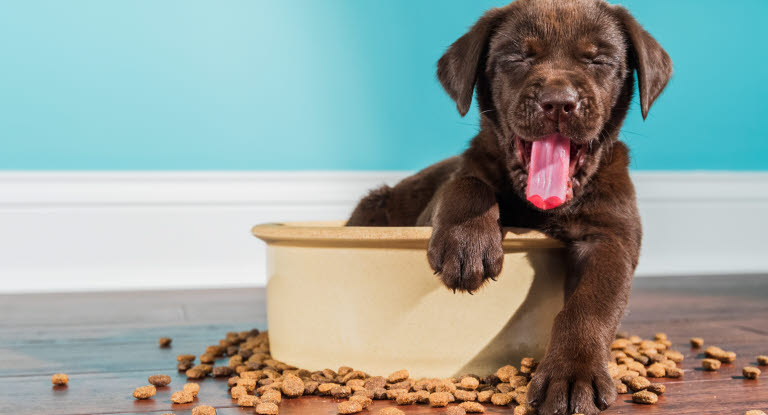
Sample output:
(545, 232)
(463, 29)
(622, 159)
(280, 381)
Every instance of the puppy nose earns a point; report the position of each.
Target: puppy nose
(558, 103)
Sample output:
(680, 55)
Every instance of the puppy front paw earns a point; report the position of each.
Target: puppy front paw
(465, 256)
(565, 384)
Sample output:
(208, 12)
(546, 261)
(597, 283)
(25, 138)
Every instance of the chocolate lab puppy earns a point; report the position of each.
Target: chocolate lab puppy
(554, 80)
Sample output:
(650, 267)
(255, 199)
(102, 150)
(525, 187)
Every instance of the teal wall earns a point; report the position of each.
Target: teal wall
(331, 84)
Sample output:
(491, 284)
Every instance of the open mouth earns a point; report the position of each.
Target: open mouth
(551, 163)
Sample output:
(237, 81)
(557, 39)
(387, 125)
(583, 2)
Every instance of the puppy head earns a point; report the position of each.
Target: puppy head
(558, 73)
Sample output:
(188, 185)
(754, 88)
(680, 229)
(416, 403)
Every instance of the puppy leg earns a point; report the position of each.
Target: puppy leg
(573, 377)
(372, 209)
(465, 247)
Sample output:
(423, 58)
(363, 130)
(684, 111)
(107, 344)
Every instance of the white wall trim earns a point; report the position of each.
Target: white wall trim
(65, 231)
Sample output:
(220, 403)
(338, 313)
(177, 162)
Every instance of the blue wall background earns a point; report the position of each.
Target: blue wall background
(334, 84)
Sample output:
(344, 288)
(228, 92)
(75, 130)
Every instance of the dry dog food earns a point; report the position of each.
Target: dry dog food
(191, 388)
(697, 342)
(203, 410)
(762, 360)
(292, 386)
(248, 400)
(711, 364)
(185, 358)
(506, 372)
(182, 397)
(349, 407)
(524, 410)
(390, 411)
(645, 397)
(364, 401)
(164, 341)
(657, 388)
(638, 383)
(472, 407)
(715, 352)
(160, 380)
(60, 379)
(144, 392)
(267, 408)
(398, 376)
(750, 372)
(502, 399)
(440, 399)
(754, 412)
(456, 410)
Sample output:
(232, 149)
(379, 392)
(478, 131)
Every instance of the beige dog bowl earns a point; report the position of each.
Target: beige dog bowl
(366, 298)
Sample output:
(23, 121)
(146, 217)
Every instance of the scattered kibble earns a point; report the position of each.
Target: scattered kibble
(472, 407)
(711, 364)
(390, 411)
(182, 397)
(754, 412)
(697, 342)
(715, 352)
(639, 383)
(60, 379)
(185, 358)
(750, 372)
(440, 399)
(657, 388)
(204, 410)
(191, 388)
(398, 376)
(645, 397)
(267, 408)
(160, 380)
(144, 392)
(762, 360)
(349, 407)
(164, 341)
(248, 400)
(456, 410)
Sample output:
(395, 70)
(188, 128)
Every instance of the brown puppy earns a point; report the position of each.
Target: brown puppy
(554, 80)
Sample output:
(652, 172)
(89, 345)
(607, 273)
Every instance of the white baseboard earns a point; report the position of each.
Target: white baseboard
(78, 231)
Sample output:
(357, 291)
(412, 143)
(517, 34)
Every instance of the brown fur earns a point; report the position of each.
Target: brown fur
(580, 55)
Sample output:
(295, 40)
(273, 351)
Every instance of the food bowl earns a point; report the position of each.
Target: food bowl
(366, 297)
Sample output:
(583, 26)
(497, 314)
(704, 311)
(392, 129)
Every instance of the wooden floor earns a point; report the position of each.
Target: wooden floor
(107, 343)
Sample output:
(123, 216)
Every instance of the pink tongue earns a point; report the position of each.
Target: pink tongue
(548, 172)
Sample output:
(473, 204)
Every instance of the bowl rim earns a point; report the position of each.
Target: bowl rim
(335, 233)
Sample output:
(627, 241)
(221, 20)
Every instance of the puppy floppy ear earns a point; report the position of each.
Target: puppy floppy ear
(653, 65)
(458, 68)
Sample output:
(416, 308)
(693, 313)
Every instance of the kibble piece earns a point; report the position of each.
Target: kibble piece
(160, 380)
(440, 399)
(657, 388)
(325, 388)
(238, 391)
(750, 372)
(144, 392)
(204, 410)
(674, 355)
(185, 358)
(517, 381)
(375, 382)
(407, 398)
(340, 392)
(697, 342)
(292, 386)
(463, 395)
(524, 410)
(485, 396)
(711, 364)
(390, 411)
(639, 383)
(364, 401)
(660, 336)
(182, 397)
(472, 407)
(502, 399)
(60, 379)
(645, 397)
(272, 396)
(248, 400)
(349, 407)
(656, 370)
(506, 372)
(456, 410)
(621, 388)
(191, 388)
(185, 365)
(754, 412)
(267, 408)
(164, 341)
(207, 358)
(222, 371)
(398, 376)
(674, 372)
(762, 360)
(469, 383)
(195, 373)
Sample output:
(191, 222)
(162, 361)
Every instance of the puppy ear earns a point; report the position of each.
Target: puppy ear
(653, 65)
(458, 68)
